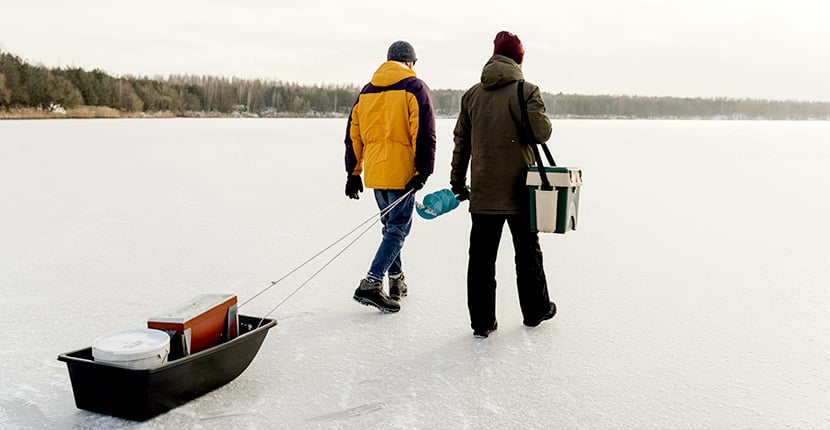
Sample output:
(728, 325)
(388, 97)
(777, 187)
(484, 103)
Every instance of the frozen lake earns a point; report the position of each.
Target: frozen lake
(694, 293)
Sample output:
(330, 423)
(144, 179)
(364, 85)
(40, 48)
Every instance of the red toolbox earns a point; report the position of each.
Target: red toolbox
(204, 321)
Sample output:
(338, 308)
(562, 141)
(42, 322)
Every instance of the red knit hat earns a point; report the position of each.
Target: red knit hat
(509, 45)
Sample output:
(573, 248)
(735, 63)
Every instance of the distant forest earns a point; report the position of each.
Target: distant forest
(26, 86)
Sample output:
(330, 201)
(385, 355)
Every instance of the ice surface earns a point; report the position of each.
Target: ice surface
(693, 293)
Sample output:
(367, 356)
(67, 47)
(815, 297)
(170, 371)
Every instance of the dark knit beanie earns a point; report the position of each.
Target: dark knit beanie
(401, 51)
(509, 45)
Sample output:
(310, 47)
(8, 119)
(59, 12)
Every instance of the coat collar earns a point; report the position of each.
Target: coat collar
(391, 72)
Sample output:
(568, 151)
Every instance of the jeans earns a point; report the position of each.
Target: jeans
(396, 225)
(481, 271)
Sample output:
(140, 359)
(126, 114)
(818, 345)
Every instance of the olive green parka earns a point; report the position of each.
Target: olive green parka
(487, 138)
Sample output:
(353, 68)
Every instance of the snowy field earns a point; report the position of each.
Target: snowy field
(694, 293)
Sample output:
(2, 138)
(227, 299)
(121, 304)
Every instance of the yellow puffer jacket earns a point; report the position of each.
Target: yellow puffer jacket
(391, 131)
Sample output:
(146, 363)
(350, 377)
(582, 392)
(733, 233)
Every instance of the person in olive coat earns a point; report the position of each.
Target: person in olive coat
(488, 140)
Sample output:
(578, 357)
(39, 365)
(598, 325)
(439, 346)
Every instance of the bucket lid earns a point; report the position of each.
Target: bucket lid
(128, 345)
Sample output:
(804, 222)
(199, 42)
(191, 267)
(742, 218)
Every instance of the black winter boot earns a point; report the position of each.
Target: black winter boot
(397, 288)
(483, 333)
(370, 293)
(545, 317)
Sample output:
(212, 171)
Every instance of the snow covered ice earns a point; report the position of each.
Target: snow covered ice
(693, 293)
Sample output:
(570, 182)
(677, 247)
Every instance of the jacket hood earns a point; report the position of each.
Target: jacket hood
(500, 71)
(391, 72)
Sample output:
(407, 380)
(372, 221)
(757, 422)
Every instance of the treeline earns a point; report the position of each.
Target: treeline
(23, 85)
(26, 86)
(608, 106)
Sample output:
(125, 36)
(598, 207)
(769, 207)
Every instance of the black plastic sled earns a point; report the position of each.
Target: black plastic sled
(142, 394)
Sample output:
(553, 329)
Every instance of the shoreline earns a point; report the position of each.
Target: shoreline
(98, 112)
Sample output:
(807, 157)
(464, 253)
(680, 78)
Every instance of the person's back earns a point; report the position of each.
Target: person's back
(492, 112)
(381, 124)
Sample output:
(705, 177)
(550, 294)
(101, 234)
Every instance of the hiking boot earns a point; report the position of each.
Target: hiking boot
(544, 317)
(483, 333)
(370, 293)
(397, 288)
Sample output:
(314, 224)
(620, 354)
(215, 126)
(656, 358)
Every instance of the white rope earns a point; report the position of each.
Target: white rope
(374, 218)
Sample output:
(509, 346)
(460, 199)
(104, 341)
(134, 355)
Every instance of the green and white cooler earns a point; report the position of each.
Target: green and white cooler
(554, 210)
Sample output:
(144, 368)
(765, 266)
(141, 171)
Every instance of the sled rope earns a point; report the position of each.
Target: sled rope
(371, 221)
(317, 272)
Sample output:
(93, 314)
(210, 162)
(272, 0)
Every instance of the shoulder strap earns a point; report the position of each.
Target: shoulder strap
(527, 133)
(527, 128)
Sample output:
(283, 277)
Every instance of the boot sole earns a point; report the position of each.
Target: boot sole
(368, 302)
(543, 319)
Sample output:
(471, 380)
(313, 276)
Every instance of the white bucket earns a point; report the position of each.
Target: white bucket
(135, 349)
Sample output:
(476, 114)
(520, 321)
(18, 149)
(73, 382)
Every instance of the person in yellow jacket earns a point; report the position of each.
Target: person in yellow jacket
(390, 139)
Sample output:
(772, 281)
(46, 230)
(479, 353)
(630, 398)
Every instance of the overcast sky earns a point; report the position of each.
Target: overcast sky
(687, 48)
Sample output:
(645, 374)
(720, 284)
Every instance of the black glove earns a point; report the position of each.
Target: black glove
(461, 191)
(354, 186)
(417, 182)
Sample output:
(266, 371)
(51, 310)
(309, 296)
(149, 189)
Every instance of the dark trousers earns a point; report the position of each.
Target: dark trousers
(485, 236)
